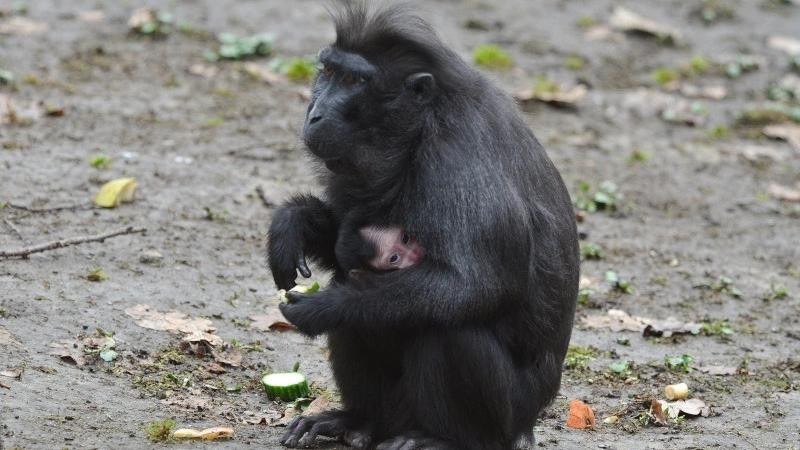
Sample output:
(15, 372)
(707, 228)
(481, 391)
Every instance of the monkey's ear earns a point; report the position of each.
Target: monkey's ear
(421, 85)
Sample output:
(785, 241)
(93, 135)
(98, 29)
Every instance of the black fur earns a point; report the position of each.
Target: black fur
(464, 349)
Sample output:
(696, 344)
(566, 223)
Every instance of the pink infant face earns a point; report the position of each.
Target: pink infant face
(394, 248)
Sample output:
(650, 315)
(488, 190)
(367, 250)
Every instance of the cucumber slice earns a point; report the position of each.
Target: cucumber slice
(285, 386)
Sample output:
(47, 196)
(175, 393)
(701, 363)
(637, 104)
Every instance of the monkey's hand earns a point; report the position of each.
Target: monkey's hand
(313, 314)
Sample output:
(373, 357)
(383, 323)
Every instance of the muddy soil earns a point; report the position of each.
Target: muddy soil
(695, 230)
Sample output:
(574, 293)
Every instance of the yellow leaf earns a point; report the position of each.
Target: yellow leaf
(115, 192)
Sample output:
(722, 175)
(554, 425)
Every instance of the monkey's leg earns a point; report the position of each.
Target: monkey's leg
(457, 386)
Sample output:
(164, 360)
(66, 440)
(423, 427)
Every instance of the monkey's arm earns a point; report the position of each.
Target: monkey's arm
(424, 295)
(303, 227)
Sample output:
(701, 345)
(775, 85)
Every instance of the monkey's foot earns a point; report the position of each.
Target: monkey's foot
(303, 431)
(414, 441)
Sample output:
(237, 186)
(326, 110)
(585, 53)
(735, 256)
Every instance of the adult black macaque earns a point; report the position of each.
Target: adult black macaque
(463, 349)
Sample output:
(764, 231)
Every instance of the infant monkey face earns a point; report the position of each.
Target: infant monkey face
(394, 248)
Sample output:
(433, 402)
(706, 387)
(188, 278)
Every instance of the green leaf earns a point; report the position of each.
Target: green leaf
(108, 355)
(619, 366)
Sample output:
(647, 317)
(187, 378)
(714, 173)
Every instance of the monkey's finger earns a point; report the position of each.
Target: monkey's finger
(290, 428)
(302, 266)
(294, 297)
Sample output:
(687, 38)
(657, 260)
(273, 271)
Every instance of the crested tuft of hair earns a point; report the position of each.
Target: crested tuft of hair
(392, 33)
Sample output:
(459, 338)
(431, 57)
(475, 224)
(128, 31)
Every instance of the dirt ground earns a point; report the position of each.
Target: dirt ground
(697, 229)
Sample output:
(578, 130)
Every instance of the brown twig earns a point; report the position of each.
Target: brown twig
(26, 251)
(49, 210)
(263, 196)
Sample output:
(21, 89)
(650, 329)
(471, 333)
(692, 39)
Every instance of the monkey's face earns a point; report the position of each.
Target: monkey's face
(394, 248)
(362, 116)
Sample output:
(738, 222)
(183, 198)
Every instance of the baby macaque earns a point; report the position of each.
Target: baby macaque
(393, 248)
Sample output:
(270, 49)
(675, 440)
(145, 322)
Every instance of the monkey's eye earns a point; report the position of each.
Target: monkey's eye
(394, 258)
(406, 238)
(326, 71)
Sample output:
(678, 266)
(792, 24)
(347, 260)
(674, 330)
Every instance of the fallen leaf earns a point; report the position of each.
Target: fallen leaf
(272, 320)
(22, 26)
(692, 407)
(657, 413)
(213, 367)
(671, 326)
(788, 132)
(7, 339)
(626, 20)
(230, 357)
(200, 343)
(615, 320)
(561, 97)
(320, 404)
(580, 415)
(761, 153)
(207, 434)
(69, 351)
(784, 193)
(287, 418)
(11, 373)
(173, 321)
(261, 73)
(785, 44)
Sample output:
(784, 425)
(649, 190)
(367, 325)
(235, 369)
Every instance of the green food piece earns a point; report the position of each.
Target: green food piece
(287, 386)
(619, 366)
(313, 287)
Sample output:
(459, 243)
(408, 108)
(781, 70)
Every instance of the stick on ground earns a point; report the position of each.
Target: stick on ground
(25, 251)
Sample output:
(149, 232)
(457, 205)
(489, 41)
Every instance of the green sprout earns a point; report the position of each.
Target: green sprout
(491, 56)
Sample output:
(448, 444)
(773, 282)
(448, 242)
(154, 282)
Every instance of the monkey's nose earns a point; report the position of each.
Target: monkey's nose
(314, 119)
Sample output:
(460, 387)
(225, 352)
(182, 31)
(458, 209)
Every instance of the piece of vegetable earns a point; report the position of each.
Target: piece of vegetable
(676, 391)
(115, 192)
(310, 289)
(285, 386)
(207, 434)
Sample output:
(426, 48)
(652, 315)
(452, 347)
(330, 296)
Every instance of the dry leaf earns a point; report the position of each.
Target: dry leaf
(172, 321)
(11, 373)
(692, 407)
(759, 153)
(784, 193)
(580, 415)
(261, 73)
(272, 320)
(213, 367)
(657, 413)
(784, 43)
(22, 26)
(671, 326)
(561, 97)
(287, 418)
(615, 320)
(788, 132)
(7, 339)
(627, 20)
(69, 351)
(320, 404)
(207, 434)
(230, 357)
